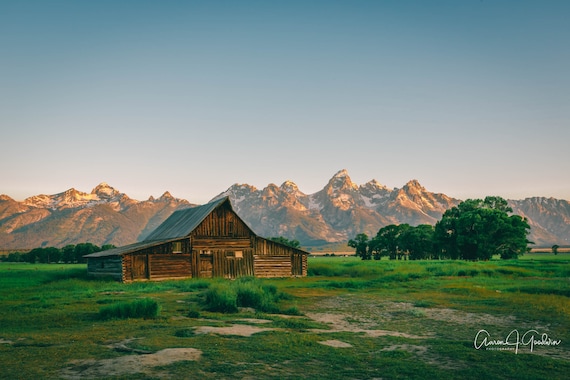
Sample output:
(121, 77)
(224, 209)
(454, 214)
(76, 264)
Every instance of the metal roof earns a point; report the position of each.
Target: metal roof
(127, 248)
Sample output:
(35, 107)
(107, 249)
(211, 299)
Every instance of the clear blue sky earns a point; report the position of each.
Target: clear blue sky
(470, 97)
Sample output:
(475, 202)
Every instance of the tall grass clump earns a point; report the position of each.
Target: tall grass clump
(226, 296)
(221, 297)
(143, 308)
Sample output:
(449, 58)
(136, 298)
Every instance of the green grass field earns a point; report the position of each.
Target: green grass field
(347, 319)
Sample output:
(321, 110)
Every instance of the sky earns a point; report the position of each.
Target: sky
(469, 97)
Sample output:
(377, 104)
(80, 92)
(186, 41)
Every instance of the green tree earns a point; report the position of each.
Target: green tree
(360, 243)
(33, 255)
(418, 242)
(68, 253)
(83, 249)
(387, 241)
(478, 229)
(555, 249)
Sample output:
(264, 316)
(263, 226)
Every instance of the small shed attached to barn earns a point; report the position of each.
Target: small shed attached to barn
(205, 241)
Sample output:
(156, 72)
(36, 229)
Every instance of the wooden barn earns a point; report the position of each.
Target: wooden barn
(205, 241)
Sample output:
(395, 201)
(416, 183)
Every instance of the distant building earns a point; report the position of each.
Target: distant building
(200, 242)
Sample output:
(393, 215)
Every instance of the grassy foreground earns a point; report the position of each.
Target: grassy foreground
(358, 320)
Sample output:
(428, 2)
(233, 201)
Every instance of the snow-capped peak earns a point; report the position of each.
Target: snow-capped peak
(166, 196)
(341, 181)
(103, 190)
(289, 186)
(341, 174)
(374, 184)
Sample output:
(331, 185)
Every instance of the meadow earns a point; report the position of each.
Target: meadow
(349, 319)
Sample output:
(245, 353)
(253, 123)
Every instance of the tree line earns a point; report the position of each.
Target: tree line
(69, 254)
(473, 230)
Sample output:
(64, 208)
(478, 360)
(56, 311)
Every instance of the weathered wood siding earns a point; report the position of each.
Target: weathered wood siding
(278, 267)
(232, 264)
(158, 262)
(162, 267)
(299, 264)
(222, 246)
(272, 266)
(107, 266)
(222, 222)
(209, 243)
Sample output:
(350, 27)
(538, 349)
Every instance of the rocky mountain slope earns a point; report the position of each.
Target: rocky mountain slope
(104, 216)
(336, 213)
(343, 209)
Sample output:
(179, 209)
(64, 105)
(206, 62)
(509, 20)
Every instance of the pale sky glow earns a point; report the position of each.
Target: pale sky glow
(470, 97)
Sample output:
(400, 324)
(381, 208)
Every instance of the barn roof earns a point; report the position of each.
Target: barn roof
(127, 248)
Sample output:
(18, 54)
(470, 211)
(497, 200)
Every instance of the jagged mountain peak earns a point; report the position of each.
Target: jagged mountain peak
(289, 187)
(104, 190)
(374, 184)
(341, 181)
(241, 187)
(413, 184)
(166, 196)
(4, 197)
(341, 173)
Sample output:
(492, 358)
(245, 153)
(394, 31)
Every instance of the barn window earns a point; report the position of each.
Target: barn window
(234, 255)
(231, 228)
(177, 247)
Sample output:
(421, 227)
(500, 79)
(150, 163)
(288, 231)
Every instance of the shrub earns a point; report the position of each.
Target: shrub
(253, 294)
(184, 333)
(226, 297)
(293, 310)
(142, 308)
(221, 297)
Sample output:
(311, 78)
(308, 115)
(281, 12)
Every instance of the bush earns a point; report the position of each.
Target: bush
(293, 310)
(253, 294)
(142, 308)
(184, 333)
(221, 297)
(226, 297)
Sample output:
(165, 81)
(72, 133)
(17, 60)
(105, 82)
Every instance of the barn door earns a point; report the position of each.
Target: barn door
(140, 267)
(202, 263)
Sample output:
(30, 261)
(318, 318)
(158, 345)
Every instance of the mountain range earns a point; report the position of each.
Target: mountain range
(336, 213)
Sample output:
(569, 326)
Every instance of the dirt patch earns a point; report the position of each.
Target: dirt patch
(412, 348)
(338, 323)
(128, 364)
(463, 318)
(336, 343)
(239, 330)
(4, 341)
